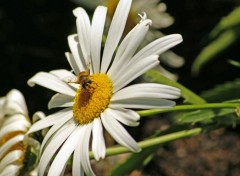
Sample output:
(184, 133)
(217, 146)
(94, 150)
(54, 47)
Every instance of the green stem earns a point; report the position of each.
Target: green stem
(189, 107)
(154, 141)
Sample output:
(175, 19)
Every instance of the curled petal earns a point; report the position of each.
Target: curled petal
(51, 82)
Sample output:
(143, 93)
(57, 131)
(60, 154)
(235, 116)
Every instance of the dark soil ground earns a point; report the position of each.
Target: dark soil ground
(213, 154)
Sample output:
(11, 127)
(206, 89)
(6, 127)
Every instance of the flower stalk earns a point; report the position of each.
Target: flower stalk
(144, 113)
(154, 141)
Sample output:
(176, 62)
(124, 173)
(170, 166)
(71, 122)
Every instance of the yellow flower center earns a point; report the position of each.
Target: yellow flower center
(92, 99)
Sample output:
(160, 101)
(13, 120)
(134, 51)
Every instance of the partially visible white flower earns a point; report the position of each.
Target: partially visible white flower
(1, 109)
(156, 11)
(99, 97)
(14, 145)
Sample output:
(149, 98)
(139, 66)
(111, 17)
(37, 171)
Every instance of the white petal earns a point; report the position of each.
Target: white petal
(125, 116)
(143, 103)
(73, 62)
(130, 46)
(63, 171)
(61, 124)
(98, 142)
(7, 145)
(98, 22)
(62, 74)
(56, 141)
(2, 100)
(22, 125)
(167, 73)
(12, 107)
(64, 153)
(34, 172)
(133, 71)
(15, 119)
(10, 170)
(172, 59)
(38, 116)
(51, 119)
(76, 165)
(51, 82)
(124, 44)
(115, 32)
(75, 59)
(157, 47)
(60, 100)
(10, 158)
(16, 96)
(148, 90)
(84, 149)
(83, 29)
(118, 132)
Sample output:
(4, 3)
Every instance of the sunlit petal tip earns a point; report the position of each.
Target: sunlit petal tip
(72, 37)
(78, 11)
(15, 95)
(177, 37)
(139, 150)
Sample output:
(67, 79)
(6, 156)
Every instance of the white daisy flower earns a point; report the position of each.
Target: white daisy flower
(98, 97)
(14, 145)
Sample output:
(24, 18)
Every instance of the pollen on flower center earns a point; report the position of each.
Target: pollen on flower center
(91, 100)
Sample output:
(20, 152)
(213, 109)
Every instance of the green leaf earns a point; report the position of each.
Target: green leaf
(226, 32)
(230, 21)
(29, 162)
(220, 44)
(134, 161)
(223, 92)
(188, 95)
(205, 116)
(235, 63)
